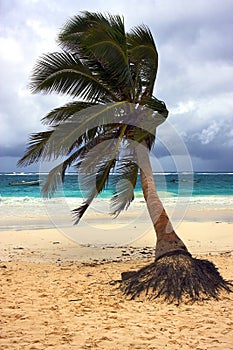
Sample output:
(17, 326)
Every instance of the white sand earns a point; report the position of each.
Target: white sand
(55, 295)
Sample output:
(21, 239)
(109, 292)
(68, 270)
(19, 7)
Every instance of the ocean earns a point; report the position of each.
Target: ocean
(23, 207)
(168, 185)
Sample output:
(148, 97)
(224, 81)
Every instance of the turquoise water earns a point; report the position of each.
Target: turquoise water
(171, 184)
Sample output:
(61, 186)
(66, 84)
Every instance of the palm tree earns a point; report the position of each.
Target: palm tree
(110, 75)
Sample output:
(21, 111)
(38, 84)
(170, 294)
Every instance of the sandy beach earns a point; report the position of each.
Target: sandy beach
(57, 293)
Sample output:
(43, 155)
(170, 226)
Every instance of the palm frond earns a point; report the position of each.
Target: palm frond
(64, 73)
(60, 114)
(77, 27)
(72, 33)
(140, 135)
(157, 106)
(144, 57)
(53, 181)
(94, 171)
(85, 125)
(36, 146)
(142, 119)
(75, 129)
(109, 48)
(57, 174)
(94, 184)
(100, 42)
(125, 182)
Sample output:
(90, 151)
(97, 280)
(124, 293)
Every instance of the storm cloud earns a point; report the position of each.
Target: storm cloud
(195, 76)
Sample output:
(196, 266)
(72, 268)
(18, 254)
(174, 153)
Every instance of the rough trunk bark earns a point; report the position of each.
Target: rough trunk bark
(167, 239)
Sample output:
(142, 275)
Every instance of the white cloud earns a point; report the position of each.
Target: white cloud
(45, 35)
(10, 50)
(183, 107)
(207, 135)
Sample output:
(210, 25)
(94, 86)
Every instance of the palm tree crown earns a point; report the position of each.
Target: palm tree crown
(110, 76)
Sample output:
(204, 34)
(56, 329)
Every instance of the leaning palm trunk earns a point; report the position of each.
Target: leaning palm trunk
(167, 239)
(174, 275)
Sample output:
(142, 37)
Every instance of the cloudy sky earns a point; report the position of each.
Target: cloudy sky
(195, 77)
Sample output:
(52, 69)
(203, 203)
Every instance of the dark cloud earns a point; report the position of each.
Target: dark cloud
(12, 151)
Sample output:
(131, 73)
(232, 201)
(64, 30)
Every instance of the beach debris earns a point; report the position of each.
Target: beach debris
(56, 242)
(227, 253)
(125, 254)
(3, 266)
(58, 262)
(146, 251)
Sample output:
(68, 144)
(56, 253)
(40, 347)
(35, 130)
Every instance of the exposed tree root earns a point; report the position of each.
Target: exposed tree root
(176, 277)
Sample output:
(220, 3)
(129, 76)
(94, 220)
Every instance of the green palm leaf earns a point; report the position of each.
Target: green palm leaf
(36, 147)
(75, 129)
(58, 115)
(57, 174)
(157, 106)
(64, 73)
(125, 182)
(143, 54)
(94, 183)
(100, 42)
(77, 28)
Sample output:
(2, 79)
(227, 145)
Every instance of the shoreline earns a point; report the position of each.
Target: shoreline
(62, 244)
(33, 231)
